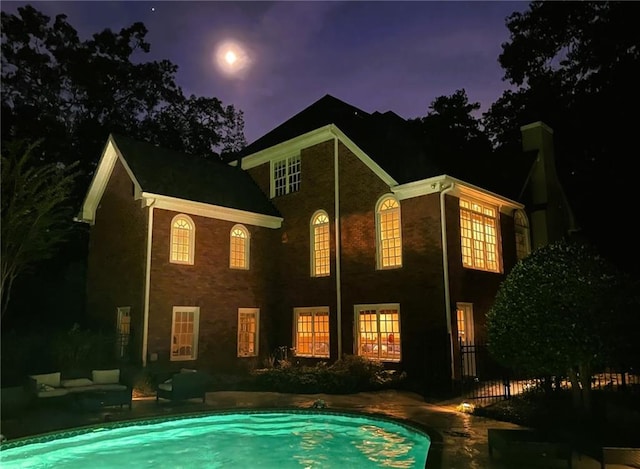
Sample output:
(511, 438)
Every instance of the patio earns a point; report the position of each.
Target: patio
(459, 440)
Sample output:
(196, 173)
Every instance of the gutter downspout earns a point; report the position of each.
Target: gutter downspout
(445, 268)
(336, 199)
(147, 285)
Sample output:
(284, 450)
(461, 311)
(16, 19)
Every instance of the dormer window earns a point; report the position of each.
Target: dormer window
(285, 176)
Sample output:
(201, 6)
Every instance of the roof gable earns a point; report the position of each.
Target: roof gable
(176, 176)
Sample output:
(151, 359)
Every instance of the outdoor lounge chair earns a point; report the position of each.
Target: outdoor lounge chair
(187, 384)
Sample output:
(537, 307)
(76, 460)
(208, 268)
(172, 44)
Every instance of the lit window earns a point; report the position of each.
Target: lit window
(479, 235)
(239, 248)
(389, 235)
(320, 253)
(285, 176)
(248, 320)
(184, 333)
(523, 244)
(311, 337)
(182, 240)
(378, 329)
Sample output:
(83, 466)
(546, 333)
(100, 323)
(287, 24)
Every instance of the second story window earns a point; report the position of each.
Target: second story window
(239, 248)
(320, 253)
(389, 234)
(479, 235)
(521, 227)
(182, 242)
(285, 177)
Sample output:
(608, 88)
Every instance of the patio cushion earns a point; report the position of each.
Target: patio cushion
(106, 376)
(53, 392)
(76, 383)
(50, 379)
(108, 387)
(165, 386)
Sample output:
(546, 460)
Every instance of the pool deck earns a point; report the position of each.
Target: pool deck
(459, 440)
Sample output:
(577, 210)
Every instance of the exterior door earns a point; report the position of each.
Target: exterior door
(123, 331)
(466, 338)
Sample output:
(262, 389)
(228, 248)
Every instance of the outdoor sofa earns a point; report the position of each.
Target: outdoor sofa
(99, 387)
(187, 384)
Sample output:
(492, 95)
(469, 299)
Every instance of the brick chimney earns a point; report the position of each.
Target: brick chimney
(549, 212)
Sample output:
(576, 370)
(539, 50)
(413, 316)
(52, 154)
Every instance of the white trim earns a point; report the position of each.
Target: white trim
(438, 183)
(247, 246)
(256, 345)
(110, 155)
(213, 211)
(336, 200)
(192, 240)
(196, 330)
(147, 285)
(445, 270)
(533, 125)
(322, 134)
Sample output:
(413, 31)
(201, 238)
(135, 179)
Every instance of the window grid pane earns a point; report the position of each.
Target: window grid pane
(238, 246)
(286, 175)
(379, 334)
(280, 177)
(180, 240)
(247, 329)
(321, 250)
(182, 345)
(312, 333)
(479, 236)
(389, 232)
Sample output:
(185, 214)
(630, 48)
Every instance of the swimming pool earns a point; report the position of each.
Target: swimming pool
(266, 439)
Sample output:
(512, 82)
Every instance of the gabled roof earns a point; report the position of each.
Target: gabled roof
(385, 137)
(177, 181)
(166, 172)
(390, 141)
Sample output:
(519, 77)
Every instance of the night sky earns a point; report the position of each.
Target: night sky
(378, 56)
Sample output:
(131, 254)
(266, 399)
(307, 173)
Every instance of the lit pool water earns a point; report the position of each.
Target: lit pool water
(239, 440)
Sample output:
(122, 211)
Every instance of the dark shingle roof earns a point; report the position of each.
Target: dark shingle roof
(171, 173)
(385, 137)
(392, 143)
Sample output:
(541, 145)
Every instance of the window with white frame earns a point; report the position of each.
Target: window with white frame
(320, 253)
(521, 226)
(183, 232)
(479, 235)
(184, 333)
(285, 176)
(311, 334)
(389, 233)
(378, 331)
(239, 248)
(248, 327)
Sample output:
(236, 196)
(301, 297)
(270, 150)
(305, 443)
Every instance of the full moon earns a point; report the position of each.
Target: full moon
(232, 58)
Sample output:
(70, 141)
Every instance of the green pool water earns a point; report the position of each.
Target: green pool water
(229, 440)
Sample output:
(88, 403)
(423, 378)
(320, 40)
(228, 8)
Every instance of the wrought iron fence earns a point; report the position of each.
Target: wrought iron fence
(484, 380)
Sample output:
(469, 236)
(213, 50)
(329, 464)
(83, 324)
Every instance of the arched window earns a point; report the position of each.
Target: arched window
(320, 250)
(239, 248)
(183, 235)
(521, 226)
(388, 233)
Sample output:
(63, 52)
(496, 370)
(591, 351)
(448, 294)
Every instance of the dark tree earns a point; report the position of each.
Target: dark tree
(563, 311)
(453, 136)
(576, 66)
(72, 93)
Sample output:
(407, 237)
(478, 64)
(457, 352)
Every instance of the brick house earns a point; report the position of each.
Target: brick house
(332, 234)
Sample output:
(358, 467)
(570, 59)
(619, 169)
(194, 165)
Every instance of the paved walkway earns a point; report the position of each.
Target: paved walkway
(459, 441)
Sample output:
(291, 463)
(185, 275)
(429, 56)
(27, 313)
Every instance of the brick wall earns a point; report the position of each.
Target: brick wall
(213, 286)
(116, 260)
